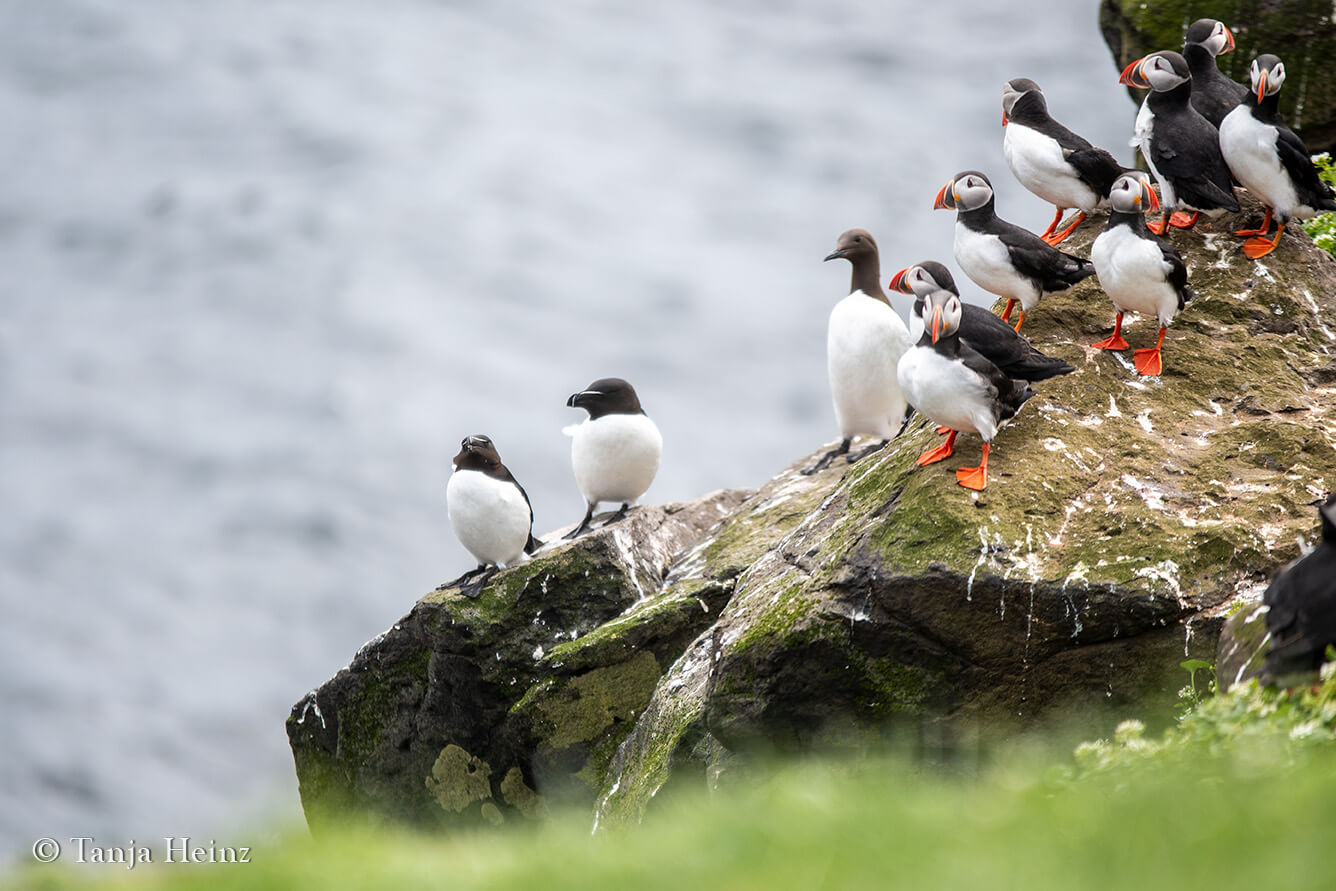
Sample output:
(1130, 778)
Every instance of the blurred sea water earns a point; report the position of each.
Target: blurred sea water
(264, 264)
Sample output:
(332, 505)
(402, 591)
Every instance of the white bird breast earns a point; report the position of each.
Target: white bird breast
(1249, 147)
(1133, 272)
(615, 457)
(1036, 161)
(985, 259)
(864, 342)
(947, 392)
(490, 516)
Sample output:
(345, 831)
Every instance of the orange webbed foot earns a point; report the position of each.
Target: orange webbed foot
(1254, 248)
(1148, 362)
(1180, 220)
(975, 478)
(942, 430)
(941, 453)
(1116, 342)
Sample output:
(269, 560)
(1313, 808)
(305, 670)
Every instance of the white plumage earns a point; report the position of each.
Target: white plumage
(1037, 162)
(947, 393)
(615, 457)
(1141, 136)
(986, 260)
(1134, 273)
(1249, 147)
(490, 517)
(864, 341)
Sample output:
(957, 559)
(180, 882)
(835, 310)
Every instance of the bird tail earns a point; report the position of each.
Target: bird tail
(532, 544)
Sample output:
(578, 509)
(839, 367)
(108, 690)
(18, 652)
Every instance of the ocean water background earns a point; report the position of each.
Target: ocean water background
(264, 264)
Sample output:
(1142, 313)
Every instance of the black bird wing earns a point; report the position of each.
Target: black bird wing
(532, 544)
(997, 342)
(1008, 395)
(1052, 269)
(1095, 167)
(1176, 272)
(1297, 163)
(1190, 156)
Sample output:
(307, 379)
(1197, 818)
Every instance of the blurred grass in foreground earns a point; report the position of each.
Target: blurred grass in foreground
(1241, 794)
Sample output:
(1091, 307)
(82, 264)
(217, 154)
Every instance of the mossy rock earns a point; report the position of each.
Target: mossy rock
(1301, 32)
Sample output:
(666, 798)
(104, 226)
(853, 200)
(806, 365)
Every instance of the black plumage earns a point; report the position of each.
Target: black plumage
(1214, 95)
(1301, 618)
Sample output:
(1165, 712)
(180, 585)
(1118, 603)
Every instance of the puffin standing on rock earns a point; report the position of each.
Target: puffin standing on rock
(950, 383)
(1001, 257)
(1270, 160)
(1015, 356)
(489, 510)
(864, 342)
(1181, 147)
(615, 451)
(1138, 270)
(1213, 94)
(1051, 161)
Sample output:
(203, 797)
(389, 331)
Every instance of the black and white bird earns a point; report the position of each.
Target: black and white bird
(1015, 356)
(1301, 601)
(865, 339)
(615, 452)
(1270, 160)
(1001, 257)
(489, 510)
(949, 382)
(1214, 94)
(1051, 161)
(1181, 147)
(1140, 271)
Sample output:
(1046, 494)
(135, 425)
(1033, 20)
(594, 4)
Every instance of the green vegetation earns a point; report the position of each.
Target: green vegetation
(1323, 228)
(1239, 794)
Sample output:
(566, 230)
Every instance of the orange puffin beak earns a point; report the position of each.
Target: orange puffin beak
(898, 279)
(1004, 118)
(1261, 87)
(1152, 201)
(936, 322)
(945, 199)
(1229, 41)
(1131, 76)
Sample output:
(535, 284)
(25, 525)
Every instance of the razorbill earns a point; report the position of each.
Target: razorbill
(1140, 271)
(1270, 160)
(1001, 257)
(489, 510)
(615, 451)
(949, 382)
(865, 339)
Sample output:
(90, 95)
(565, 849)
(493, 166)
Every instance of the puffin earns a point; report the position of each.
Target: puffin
(615, 451)
(1214, 95)
(985, 332)
(1181, 147)
(1001, 257)
(1140, 271)
(1301, 619)
(1051, 161)
(1270, 160)
(951, 383)
(489, 510)
(865, 339)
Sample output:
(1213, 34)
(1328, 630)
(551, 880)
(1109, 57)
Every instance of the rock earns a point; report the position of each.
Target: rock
(1301, 32)
(1124, 518)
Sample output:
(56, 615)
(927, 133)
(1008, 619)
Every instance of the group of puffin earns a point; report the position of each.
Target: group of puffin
(958, 364)
(967, 370)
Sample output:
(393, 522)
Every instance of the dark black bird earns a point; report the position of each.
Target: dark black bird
(1213, 94)
(1181, 147)
(1302, 599)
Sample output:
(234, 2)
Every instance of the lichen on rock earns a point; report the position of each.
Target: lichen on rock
(1124, 518)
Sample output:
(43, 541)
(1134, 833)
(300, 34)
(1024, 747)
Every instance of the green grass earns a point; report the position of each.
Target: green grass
(1240, 794)
(1323, 228)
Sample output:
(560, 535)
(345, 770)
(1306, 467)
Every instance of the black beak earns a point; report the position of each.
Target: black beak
(834, 255)
(578, 400)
